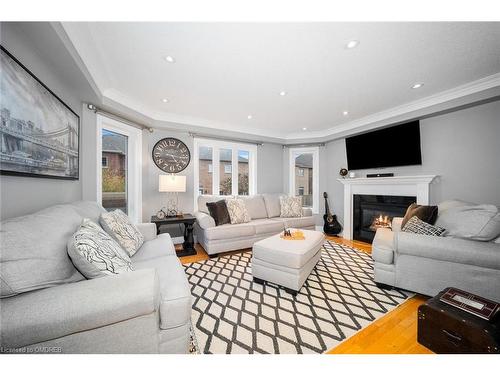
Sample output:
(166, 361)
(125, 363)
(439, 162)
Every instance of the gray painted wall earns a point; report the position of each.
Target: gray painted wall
(462, 147)
(23, 195)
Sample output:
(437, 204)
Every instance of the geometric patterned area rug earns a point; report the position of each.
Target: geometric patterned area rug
(232, 314)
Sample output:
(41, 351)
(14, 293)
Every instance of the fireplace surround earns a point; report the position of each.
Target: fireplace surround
(373, 211)
(407, 186)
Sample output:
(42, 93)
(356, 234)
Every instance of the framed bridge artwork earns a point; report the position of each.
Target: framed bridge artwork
(39, 133)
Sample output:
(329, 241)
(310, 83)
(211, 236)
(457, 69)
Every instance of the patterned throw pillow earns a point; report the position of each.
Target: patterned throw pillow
(238, 212)
(94, 253)
(291, 206)
(117, 224)
(415, 225)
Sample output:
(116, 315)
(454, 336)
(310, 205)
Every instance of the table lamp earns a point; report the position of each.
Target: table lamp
(172, 184)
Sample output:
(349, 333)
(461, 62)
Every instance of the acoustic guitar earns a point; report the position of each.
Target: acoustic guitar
(331, 225)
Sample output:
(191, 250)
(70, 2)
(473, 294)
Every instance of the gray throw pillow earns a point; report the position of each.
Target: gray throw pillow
(118, 225)
(291, 206)
(94, 253)
(479, 222)
(415, 225)
(238, 212)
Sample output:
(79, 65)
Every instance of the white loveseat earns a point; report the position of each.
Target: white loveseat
(264, 209)
(428, 264)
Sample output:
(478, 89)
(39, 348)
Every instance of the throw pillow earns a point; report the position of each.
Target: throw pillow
(218, 210)
(425, 213)
(479, 222)
(118, 225)
(238, 212)
(415, 225)
(291, 206)
(94, 253)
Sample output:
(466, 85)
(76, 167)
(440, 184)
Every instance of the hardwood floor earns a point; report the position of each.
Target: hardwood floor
(394, 333)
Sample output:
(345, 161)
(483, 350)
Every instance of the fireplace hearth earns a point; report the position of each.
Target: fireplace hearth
(371, 212)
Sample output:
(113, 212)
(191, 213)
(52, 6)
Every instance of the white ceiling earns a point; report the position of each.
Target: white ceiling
(225, 72)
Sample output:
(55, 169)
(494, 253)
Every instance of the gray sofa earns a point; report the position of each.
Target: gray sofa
(264, 209)
(428, 264)
(48, 306)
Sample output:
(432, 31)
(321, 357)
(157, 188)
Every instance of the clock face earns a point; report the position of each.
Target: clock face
(171, 155)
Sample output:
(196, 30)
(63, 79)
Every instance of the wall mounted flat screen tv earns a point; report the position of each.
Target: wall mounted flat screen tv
(390, 147)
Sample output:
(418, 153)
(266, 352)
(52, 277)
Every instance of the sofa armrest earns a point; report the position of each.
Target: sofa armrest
(50, 313)
(204, 220)
(448, 249)
(396, 224)
(148, 230)
(307, 212)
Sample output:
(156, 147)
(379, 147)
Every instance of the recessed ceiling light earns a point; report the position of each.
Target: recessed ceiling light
(345, 113)
(417, 85)
(304, 128)
(249, 117)
(170, 59)
(282, 93)
(352, 44)
(164, 100)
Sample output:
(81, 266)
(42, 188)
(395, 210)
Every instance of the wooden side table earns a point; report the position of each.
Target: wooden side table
(188, 220)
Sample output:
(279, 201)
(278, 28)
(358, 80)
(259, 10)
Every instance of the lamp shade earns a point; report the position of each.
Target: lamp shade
(172, 184)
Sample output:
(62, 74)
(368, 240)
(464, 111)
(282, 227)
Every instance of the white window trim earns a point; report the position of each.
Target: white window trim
(291, 172)
(217, 145)
(134, 164)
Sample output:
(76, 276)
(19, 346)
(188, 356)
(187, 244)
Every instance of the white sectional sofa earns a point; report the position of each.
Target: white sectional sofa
(46, 303)
(264, 209)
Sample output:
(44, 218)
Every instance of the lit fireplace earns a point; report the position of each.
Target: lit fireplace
(381, 221)
(371, 212)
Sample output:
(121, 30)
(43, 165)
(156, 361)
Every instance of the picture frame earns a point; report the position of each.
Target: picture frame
(39, 132)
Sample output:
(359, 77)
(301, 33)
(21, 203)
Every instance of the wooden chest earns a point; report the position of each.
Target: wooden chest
(446, 329)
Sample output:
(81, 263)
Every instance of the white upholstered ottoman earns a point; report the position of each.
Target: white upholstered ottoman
(284, 262)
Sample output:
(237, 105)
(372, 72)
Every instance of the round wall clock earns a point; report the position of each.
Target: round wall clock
(171, 155)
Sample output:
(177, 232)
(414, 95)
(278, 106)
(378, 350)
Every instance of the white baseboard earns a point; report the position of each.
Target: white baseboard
(318, 228)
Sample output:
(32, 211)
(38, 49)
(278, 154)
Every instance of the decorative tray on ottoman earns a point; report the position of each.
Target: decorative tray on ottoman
(296, 235)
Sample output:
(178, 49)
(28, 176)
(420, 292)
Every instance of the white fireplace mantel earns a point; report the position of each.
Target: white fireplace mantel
(415, 186)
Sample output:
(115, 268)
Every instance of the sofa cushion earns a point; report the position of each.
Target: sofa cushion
(452, 203)
(230, 231)
(95, 254)
(237, 211)
(415, 225)
(218, 211)
(480, 222)
(158, 247)
(424, 213)
(118, 225)
(272, 202)
(255, 206)
(33, 250)
(264, 226)
(175, 303)
(203, 199)
(88, 209)
(297, 222)
(291, 206)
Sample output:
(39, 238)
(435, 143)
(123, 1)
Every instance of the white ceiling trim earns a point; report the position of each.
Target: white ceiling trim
(459, 92)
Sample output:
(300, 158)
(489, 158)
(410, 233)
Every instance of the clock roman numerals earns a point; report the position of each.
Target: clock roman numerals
(171, 155)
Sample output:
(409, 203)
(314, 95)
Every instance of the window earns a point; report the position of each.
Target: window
(304, 177)
(119, 183)
(214, 161)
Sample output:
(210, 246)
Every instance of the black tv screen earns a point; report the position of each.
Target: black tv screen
(390, 147)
